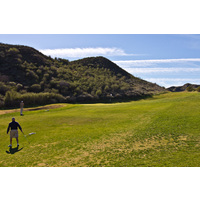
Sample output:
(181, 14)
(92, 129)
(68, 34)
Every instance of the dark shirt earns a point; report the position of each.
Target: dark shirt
(13, 125)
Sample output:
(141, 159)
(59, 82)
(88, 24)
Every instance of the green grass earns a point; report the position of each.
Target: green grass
(160, 131)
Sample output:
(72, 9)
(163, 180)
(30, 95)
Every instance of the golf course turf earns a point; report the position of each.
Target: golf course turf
(162, 131)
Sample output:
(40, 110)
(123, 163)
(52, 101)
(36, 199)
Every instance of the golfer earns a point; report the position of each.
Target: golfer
(14, 131)
(21, 108)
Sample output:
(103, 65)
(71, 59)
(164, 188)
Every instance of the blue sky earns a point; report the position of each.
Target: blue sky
(165, 59)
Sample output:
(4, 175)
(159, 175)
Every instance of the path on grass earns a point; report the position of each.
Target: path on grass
(3, 112)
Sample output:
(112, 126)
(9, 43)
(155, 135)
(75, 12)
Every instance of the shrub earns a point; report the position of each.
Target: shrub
(190, 88)
(10, 98)
(13, 50)
(13, 99)
(2, 54)
(35, 88)
(3, 88)
(106, 88)
(114, 87)
(19, 86)
(12, 84)
(1, 101)
(53, 90)
(198, 89)
(98, 92)
(32, 75)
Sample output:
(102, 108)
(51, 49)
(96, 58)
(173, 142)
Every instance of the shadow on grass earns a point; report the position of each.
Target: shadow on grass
(14, 150)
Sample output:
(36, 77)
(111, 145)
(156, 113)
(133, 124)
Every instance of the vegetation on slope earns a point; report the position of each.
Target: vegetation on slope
(186, 87)
(25, 71)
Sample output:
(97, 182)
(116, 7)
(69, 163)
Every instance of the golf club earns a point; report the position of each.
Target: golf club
(25, 137)
(32, 133)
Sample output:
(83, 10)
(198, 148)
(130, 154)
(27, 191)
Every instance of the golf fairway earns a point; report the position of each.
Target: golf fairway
(160, 131)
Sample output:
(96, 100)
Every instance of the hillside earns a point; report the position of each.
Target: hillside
(185, 87)
(103, 63)
(25, 71)
(17, 54)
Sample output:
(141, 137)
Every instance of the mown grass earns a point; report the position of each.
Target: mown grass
(160, 131)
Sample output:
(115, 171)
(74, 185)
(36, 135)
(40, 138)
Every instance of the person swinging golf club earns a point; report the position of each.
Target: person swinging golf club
(14, 131)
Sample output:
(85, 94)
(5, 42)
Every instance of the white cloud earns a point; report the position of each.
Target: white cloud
(168, 82)
(159, 70)
(138, 63)
(84, 52)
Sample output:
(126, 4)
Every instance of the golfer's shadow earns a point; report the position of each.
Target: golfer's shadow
(14, 150)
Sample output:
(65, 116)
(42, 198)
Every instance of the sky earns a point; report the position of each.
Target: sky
(165, 59)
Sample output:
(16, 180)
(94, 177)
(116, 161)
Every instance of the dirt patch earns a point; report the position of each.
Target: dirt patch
(2, 112)
(41, 165)
(45, 107)
(183, 138)
(115, 145)
(46, 145)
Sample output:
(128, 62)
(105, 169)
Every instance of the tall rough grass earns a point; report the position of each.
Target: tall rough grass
(13, 98)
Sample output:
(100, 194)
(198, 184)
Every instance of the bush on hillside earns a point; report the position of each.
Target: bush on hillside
(13, 98)
(198, 89)
(12, 51)
(35, 88)
(1, 101)
(190, 88)
(27, 71)
(3, 88)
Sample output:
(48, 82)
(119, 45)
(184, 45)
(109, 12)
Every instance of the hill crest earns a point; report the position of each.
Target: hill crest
(102, 62)
(24, 69)
(183, 87)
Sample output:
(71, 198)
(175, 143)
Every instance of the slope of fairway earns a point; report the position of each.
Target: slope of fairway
(161, 131)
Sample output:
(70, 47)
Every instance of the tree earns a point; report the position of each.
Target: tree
(3, 88)
(19, 87)
(13, 51)
(35, 88)
(98, 92)
(11, 98)
(198, 89)
(190, 88)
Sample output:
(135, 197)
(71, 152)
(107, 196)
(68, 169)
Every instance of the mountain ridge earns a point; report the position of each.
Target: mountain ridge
(24, 70)
(183, 87)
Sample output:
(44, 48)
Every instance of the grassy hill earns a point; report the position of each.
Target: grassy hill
(159, 131)
(24, 71)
